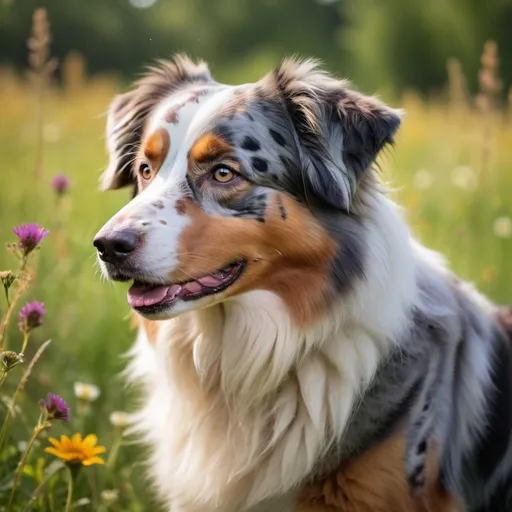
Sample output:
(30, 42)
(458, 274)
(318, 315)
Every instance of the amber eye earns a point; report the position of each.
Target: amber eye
(223, 174)
(145, 171)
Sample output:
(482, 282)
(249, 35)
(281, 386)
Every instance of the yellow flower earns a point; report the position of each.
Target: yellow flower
(77, 450)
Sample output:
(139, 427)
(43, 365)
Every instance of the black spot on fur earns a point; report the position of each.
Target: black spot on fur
(250, 144)
(282, 209)
(422, 447)
(259, 164)
(277, 137)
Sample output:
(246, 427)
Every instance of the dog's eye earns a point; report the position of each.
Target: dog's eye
(224, 174)
(145, 171)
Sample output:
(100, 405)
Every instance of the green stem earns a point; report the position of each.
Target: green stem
(71, 485)
(37, 430)
(6, 290)
(26, 335)
(5, 322)
(2, 378)
(38, 489)
(20, 388)
(112, 456)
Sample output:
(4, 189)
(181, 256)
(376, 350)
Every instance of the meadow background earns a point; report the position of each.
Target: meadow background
(448, 64)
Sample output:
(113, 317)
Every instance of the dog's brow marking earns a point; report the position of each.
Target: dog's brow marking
(209, 147)
(156, 147)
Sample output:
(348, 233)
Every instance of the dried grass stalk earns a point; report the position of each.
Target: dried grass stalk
(42, 66)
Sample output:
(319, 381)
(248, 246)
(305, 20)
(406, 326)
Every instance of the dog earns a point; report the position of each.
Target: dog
(298, 349)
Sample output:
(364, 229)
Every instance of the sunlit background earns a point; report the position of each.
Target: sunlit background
(448, 63)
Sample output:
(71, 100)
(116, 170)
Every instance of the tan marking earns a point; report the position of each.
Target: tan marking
(150, 327)
(209, 147)
(376, 482)
(288, 258)
(154, 149)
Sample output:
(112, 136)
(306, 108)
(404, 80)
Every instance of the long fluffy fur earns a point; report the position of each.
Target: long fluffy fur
(243, 407)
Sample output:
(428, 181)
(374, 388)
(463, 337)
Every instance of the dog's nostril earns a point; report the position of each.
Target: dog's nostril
(98, 243)
(116, 246)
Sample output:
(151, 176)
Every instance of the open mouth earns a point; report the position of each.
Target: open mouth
(151, 298)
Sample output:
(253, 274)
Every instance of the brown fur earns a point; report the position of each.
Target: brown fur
(153, 150)
(209, 147)
(376, 482)
(279, 254)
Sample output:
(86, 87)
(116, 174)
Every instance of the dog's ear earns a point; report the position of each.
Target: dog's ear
(340, 132)
(129, 112)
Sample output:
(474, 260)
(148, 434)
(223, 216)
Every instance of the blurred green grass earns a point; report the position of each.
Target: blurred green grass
(450, 169)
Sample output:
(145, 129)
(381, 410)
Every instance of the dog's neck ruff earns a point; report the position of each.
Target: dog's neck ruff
(242, 405)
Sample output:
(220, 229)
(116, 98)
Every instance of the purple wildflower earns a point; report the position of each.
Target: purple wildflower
(56, 407)
(30, 236)
(31, 316)
(60, 184)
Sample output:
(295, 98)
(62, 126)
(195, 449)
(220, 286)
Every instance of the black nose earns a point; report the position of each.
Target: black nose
(116, 246)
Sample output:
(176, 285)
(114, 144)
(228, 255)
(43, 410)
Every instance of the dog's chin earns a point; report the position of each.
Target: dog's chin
(156, 301)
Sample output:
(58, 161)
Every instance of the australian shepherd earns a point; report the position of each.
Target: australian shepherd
(297, 348)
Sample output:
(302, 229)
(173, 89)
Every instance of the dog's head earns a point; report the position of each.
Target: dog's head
(240, 188)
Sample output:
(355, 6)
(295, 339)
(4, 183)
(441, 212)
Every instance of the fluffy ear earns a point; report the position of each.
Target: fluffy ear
(129, 112)
(340, 131)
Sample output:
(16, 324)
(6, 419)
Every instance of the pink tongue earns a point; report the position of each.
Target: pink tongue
(146, 296)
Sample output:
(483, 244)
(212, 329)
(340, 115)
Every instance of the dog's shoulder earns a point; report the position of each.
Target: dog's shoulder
(375, 481)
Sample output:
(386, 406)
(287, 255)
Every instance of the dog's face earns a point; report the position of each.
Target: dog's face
(239, 188)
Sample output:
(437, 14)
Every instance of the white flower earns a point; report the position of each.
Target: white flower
(109, 495)
(51, 133)
(119, 419)
(423, 179)
(464, 177)
(502, 227)
(87, 392)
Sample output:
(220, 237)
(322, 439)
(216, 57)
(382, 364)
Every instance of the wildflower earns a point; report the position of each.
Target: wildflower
(9, 359)
(423, 179)
(7, 278)
(464, 177)
(119, 419)
(56, 408)
(60, 184)
(51, 133)
(30, 236)
(86, 392)
(502, 227)
(31, 316)
(109, 495)
(76, 451)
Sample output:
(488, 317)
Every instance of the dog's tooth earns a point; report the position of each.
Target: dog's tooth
(174, 290)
